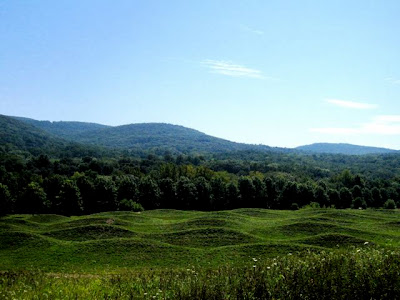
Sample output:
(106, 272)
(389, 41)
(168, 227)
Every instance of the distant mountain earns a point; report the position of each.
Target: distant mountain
(159, 136)
(347, 149)
(17, 135)
(143, 137)
(25, 133)
(68, 130)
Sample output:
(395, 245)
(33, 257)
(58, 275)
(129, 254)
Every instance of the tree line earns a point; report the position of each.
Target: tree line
(89, 185)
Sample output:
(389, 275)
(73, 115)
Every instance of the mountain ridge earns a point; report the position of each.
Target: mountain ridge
(171, 138)
(344, 148)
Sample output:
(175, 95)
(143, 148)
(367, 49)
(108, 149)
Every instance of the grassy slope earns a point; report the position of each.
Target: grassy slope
(114, 241)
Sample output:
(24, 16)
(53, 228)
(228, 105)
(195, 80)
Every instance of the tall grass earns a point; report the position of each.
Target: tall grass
(340, 274)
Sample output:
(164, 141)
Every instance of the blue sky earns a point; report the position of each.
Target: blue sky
(280, 73)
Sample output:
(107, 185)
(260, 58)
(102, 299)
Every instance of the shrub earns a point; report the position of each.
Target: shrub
(313, 205)
(390, 204)
(359, 202)
(131, 205)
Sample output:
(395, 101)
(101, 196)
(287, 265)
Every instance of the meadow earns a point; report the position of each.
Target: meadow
(171, 254)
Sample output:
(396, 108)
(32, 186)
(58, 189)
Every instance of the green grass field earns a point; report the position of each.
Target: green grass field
(110, 252)
(115, 241)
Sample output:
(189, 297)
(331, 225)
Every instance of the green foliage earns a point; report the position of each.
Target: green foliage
(34, 199)
(390, 204)
(130, 205)
(359, 203)
(313, 205)
(5, 200)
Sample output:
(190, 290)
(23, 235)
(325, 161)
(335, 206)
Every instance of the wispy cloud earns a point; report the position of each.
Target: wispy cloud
(251, 30)
(351, 104)
(231, 69)
(392, 80)
(379, 125)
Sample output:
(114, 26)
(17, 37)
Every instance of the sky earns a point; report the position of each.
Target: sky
(278, 73)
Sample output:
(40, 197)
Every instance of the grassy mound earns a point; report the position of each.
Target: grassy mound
(208, 237)
(47, 218)
(177, 239)
(90, 232)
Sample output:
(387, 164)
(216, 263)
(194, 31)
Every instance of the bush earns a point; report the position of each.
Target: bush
(390, 204)
(313, 205)
(294, 206)
(131, 205)
(359, 202)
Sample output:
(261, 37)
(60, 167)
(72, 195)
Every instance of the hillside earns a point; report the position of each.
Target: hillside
(66, 130)
(17, 136)
(142, 137)
(340, 148)
(20, 136)
(169, 137)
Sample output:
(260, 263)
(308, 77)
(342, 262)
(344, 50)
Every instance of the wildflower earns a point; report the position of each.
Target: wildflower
(254, 266)
(358, 250)
(268, 268)
(366, 243)
(255, 259)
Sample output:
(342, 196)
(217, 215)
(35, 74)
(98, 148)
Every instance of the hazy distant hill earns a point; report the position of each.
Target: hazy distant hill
(17, 135)
(344, 149)
(160, 136)
(149, 136)
(143, 137)
(69, 130)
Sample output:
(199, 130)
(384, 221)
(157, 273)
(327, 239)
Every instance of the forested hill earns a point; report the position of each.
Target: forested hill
(344, 149)
(159, 137)
(66, 130)
(174, 138)
(19, 137)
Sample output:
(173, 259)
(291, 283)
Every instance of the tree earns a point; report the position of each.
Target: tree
(186, 193)
(232, 195)
(334, 197)
(52, 186)
(346, 198)
(5, 200)
(167, 193)
(305, 194)
(87, 190)
(356, 192)
(247, 191)
(377, 197)
(260, 197)
(271, 193)
(34, 199)
(149, 193)
(359, 203)
(127, 188)
(321, 197)
(289, 195)
(70, 198)
(105, 194)
(218, 189)
(204, 194)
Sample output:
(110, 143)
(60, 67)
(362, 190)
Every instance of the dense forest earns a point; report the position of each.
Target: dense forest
(43, 173)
